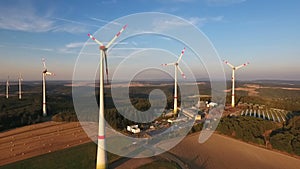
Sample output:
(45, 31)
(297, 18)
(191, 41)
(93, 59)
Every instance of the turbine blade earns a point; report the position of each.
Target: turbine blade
(116, 36)
(20, 76)
(182, 52)
(182, 74)
(49, 73)
(168, 64)
(44, 63)
(225, 61)
(106, 67)
(94, 39)
(245, 64)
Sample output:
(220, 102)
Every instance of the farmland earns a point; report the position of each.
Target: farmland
(267, 116)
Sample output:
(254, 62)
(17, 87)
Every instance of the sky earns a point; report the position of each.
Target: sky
(263, 33)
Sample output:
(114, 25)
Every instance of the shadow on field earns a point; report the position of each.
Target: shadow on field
(118, 162)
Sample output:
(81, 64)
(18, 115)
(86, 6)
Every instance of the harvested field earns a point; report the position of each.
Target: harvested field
(38, 139)
(224, 152)
(218, 152)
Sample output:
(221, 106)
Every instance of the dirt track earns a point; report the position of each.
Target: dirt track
(38, 139)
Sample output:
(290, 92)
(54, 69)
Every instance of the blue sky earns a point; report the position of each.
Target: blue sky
(265, 33)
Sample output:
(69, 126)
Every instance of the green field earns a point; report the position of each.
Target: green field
(79, 157)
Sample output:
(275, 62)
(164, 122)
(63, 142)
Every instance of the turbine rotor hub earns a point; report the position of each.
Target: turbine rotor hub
(103, 48)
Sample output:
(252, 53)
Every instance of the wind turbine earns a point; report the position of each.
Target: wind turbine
(7, 86)
(101, 155)
(233, 79)
(45, 73)
(20, 86)
(176, 66)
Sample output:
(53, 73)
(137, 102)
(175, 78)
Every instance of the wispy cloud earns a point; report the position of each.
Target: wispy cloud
(134, 43)
(104, 21)
(75, 22)
(70, 29)
(27, 47)
(79, 44)
(166, 24)
(12, 18)
(73, 48)
(29, 20)
(67, 51)
(165, 38)
(204, 20)
(36, 48)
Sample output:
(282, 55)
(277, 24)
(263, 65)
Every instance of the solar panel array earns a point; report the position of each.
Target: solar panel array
(261, 111)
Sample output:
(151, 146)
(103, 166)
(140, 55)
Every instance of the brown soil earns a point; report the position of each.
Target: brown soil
(218, 152)
(224, 152)
(38, 139)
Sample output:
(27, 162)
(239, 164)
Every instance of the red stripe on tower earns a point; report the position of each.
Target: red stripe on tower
(101, 137)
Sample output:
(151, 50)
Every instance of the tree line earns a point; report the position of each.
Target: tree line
(283, 137)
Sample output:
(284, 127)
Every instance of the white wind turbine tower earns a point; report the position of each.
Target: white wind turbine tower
(233, 79)
(20, 86)
(45, 73)
(101, 155)
(7, 86)
(176, 66)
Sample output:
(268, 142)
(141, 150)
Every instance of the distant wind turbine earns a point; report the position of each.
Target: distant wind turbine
(101, 156)
(45, 73)
(20, 86)
(176, 66)
(233, 79)
(7, 86)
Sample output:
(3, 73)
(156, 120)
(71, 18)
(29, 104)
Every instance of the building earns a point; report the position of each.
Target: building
(134, 129)
(211, 104)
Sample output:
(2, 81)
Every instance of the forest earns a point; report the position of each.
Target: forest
(284, 137)
(16, 113)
